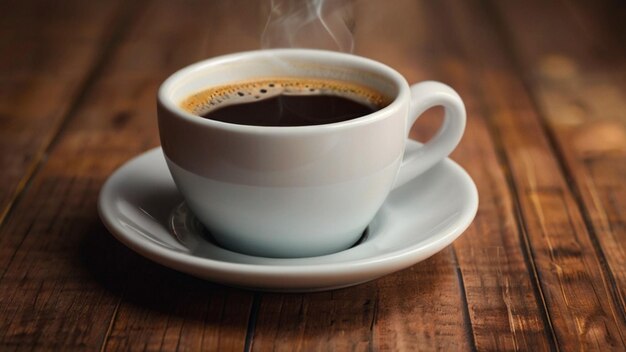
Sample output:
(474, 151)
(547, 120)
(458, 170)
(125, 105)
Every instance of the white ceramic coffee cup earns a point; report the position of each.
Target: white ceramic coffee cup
(298, 191)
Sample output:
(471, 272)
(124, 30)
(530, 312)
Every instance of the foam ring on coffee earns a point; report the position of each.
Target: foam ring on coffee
(249, 91)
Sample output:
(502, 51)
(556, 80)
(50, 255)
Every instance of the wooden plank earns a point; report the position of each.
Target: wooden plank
(50, 51)
(166, 311)
(506, 308)
(417, 307)
(573, 283)
(66, 283)
(579, 83)
(505, 304)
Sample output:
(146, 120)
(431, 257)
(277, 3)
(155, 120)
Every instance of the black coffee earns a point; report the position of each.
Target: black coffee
(286, 102)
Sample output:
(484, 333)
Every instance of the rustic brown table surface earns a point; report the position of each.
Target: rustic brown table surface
(542, 267)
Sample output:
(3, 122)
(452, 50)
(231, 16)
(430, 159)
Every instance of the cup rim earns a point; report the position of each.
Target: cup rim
(169, 83)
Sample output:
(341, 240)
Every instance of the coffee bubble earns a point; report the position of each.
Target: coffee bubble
(214, 98)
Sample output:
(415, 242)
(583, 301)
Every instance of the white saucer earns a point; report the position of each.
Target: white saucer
(141, 207)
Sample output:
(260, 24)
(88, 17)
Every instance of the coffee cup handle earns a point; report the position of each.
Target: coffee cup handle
(424, 96)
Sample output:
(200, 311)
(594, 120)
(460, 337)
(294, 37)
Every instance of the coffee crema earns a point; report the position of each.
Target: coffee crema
(286, 102)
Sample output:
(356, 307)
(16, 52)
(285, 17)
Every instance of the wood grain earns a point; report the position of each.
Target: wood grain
(420, 306)
(579, 303)
(498, 275)
(66, 283)
(50, 54)
(579, 84)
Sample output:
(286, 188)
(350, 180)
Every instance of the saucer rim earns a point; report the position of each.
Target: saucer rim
(183, 261)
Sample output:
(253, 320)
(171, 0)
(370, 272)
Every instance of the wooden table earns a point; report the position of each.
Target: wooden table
(543, 266)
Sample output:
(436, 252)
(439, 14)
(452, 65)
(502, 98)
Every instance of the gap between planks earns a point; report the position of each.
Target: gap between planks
(466, 314)
(252, 318)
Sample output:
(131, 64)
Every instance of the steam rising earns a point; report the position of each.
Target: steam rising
(319, 24)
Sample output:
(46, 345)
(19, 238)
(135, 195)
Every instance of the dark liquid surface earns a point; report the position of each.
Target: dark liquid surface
(292, 110)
